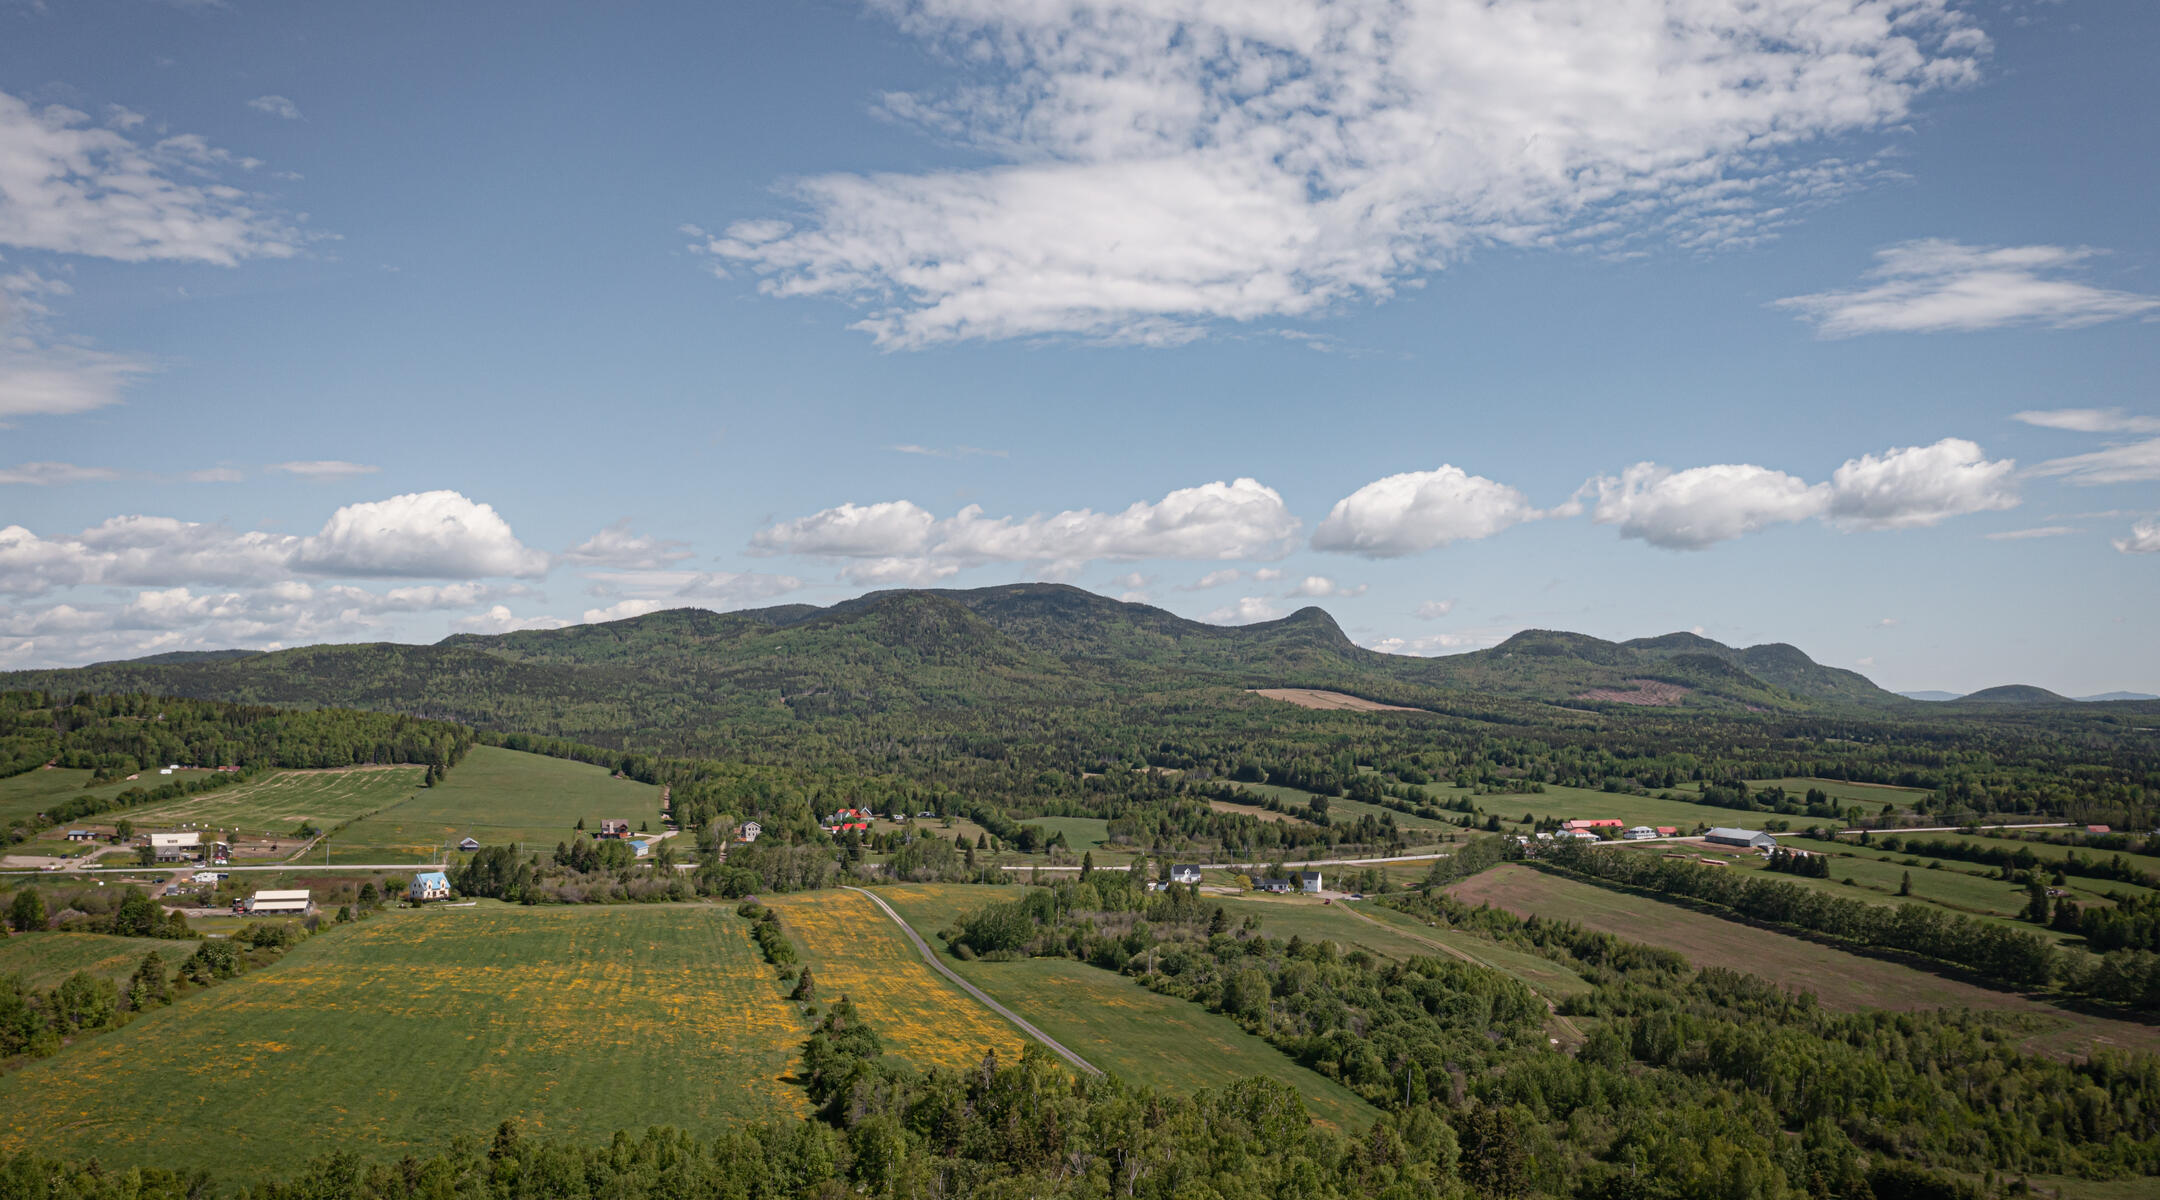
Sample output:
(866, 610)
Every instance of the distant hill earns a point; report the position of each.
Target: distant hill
(2106, 696)
(175, 657)
(2014, 693)
(1933, 697)
(694, 678)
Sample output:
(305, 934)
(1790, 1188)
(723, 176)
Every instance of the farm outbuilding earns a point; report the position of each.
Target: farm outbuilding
(81, 835)
(469, 845)
(286, 902)
(1592, 823)
(429, 885)
(176, 847)
(1639, 832)
(1754, 839)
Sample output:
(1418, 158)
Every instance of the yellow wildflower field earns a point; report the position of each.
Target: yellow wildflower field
(393, 1035)
(853, 950)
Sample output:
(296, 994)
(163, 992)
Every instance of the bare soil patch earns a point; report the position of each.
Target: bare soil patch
(1335, 701)
(1652, 693)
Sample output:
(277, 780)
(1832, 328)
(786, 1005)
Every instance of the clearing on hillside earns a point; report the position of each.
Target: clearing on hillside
(1333, 701)
(1841, 980)
(393, 1035)
(1138, 1035)
(280, 802)
(498, 796)
(853, 950)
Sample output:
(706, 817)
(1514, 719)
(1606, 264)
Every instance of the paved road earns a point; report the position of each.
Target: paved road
(930, 956)
(1317, 862)
(291, 867)
(1955, 828)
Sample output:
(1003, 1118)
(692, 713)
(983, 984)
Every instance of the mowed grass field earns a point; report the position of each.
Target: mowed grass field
(391, 1036)
(1842, 981)
(498, 796)
(38, 790)
(1870, 796)
(853, 950)
(1113, 1022)
(44, 959)
(278, 803)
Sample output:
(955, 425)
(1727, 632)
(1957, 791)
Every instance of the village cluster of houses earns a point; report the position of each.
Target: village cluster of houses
(1586, 830)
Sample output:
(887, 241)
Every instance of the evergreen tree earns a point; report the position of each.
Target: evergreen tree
(27, 913)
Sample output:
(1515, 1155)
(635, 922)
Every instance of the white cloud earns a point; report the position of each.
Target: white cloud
(1421, 510)
(1269, 574)
(325, 469)
(621, 610)
(906, 543)
(1433, 610)
(2144, 539)
(1887, 623)
(1904, 488)
(1867, 661)
(1157, 165)
(704, 589)
(46, 474)
(1246, 611)
(72, 188)
(2134, 462)
(1132, 581)
(947, 451)
(419, 534)
(1699, 507)
(1920, 485)
(1213, 579)
(616, 546)
(1321, 586)
(2089, 420)
(1936, 286)
(429, 534)
(1438, 643)
(45, 375)
(2021, 535)
(1135, 597)
(276, 106)
(214, 475)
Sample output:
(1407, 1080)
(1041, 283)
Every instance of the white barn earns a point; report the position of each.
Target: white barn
(1754, 839)
(289, 902)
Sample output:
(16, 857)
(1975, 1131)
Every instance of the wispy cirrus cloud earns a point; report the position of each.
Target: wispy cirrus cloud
(47, 474)
(1159, 166)
(947, 451)
(2026, 535)
(1939, 286)
(276, 106)
(2089, 420)
(324, 469)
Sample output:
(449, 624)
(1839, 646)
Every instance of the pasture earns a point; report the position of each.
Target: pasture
(1840, 980)
(498, 796)
(1871, 796)
(44, 959)
(1081, 833)
(1570, 803)
(853, 950)
(1110, 1020)
(1961, 884)
(35, 791)
(391, 1036)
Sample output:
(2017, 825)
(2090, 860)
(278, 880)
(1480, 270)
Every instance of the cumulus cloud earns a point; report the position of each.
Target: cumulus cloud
(1903, 488)
(276, 106)
(903, 542)
(1322, 586)
(70, 187)
(2144, 539)
(617, 546)
(1438, 643)
(1433, 610)
(621, 610)
(1157, 165)
(1246, 611)
(1701, 506)
(2089, 420)
(324, 469)
(46, 474)
(1920, 485)
(1421, 510)
(419, 535)
(1936, 286)
(498, 618)
(2133, 462)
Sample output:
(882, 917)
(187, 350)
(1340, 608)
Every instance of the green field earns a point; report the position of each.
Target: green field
(33, 792)
(44, 959)
(391, 1036)
(1841, 980)
(1081, 833)
(1969, 883)
(279, 802)
(1868, 795)
(2044, 851)
(1115, 1023)
(498, 796)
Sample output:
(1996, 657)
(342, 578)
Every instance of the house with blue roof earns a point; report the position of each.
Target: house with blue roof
(429, 885)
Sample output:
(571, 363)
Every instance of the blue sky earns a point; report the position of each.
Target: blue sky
(1828, 321)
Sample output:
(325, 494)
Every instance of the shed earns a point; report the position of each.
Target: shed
(81, 835)
(1752, 838)
(469, 845)
(287, 902)
(429, 885)
(1189, 873)
(640, 847)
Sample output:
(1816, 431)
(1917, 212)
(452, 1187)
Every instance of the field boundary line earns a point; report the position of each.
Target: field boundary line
(930, 956)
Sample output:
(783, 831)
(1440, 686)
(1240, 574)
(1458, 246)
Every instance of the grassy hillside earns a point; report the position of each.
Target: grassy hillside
(497, 796)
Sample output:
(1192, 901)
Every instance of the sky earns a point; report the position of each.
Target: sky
(1830, 322)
